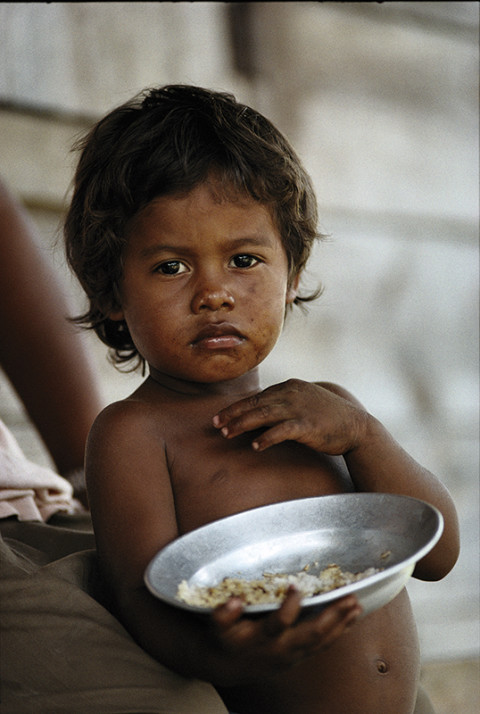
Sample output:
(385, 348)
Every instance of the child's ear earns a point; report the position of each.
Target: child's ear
(292, 290)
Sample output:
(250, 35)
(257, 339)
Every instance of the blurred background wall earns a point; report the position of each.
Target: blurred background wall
(381, 102)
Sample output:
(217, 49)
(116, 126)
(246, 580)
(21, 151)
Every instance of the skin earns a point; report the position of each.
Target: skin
(59, 387)
(204, 293)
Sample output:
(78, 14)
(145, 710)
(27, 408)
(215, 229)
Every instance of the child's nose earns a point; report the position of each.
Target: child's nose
(212, 297)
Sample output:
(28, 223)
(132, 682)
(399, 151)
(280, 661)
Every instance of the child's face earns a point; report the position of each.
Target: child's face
(205, 285)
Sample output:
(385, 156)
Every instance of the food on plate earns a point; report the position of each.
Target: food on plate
(271, 587)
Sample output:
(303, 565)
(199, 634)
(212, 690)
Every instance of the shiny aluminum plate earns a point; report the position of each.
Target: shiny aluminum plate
(355, 531)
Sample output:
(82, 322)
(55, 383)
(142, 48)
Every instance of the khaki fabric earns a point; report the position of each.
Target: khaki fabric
(61, 649)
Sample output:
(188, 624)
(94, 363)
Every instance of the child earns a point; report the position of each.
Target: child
(190, 224)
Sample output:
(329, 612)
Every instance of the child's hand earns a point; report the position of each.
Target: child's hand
(277, 641)
(298, 411)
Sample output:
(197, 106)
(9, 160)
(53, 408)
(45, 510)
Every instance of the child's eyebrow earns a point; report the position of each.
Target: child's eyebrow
(254, 240)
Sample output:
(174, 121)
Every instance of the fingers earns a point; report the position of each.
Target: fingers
(281, 638)
(296, 411)
(235, 410)
(226, 615)
(274, 407)
(333, 622)
(228, 623)
(314, 635)
(285, 616)
(261, 403)
(247, 415)
(290, 430)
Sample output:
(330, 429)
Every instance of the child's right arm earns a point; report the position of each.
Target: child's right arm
(133, 512)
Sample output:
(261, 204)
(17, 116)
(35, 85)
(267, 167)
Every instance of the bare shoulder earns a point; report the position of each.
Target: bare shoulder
(123, 424)
(125, 412)
(126, 438)
(340, 392)
(129, 489)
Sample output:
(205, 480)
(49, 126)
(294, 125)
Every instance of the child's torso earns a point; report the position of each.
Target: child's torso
(213, 477)
(373, 669)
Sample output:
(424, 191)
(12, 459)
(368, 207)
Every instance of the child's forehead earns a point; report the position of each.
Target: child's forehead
(211, 190)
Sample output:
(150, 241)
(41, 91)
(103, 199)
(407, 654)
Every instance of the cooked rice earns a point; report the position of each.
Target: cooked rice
(271, 588)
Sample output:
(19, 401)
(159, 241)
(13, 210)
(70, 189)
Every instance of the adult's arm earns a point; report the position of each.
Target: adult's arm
(43, 355)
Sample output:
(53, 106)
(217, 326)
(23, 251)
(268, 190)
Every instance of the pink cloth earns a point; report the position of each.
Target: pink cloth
(27, 490)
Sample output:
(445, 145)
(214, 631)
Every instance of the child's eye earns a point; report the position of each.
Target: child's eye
(244, 261)
(171, 267)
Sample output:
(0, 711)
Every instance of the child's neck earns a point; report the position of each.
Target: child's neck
(240, 386)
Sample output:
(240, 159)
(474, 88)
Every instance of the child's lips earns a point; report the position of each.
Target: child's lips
(219, 336)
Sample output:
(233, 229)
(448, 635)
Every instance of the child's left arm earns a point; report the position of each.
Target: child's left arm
(329, 420)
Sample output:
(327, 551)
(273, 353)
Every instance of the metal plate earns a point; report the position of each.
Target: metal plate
(352, 530)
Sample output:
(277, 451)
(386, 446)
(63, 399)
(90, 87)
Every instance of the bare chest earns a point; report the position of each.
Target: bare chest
(213, 477)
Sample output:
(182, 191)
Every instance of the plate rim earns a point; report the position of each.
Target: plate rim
(315, 601)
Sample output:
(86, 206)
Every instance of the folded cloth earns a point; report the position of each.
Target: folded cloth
(27, 490)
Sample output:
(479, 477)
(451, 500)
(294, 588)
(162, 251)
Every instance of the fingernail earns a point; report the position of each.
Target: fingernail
(255, 445)
(225, 431)
(216, 420)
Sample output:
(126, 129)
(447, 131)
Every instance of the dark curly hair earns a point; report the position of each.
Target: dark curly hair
(166, 141)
